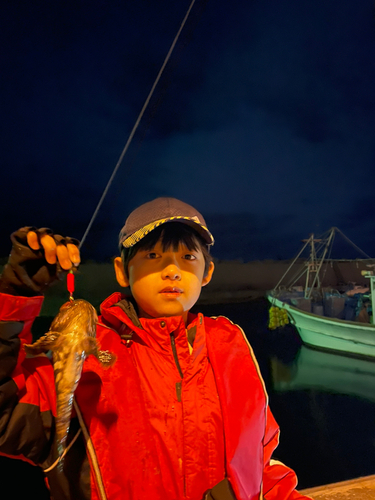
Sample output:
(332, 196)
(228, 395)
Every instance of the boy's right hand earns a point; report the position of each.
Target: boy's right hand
(38, 258)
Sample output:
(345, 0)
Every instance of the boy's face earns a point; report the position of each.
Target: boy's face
(165, 283)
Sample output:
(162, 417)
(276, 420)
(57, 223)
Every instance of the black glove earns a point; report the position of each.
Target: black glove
(27, 272)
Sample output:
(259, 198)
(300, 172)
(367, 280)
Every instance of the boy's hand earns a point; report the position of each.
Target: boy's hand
(37, 259)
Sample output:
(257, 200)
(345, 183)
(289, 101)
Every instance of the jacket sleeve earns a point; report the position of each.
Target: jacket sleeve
(279, 481)
(26, 385)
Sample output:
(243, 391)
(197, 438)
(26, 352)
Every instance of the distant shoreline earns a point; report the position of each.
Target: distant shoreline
(233, 281)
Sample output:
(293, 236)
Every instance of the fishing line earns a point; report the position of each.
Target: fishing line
(136, 124)
(157, 100)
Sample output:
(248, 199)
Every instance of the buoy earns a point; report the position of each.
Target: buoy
(277, 317)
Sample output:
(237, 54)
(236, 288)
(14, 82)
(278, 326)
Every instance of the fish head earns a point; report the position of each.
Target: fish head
(76, 314)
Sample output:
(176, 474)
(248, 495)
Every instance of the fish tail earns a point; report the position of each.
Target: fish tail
(60, 450)
(67, 368)
(62, 430)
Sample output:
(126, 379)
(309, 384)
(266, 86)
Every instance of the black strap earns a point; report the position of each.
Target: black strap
(128, 307)
(222, 491)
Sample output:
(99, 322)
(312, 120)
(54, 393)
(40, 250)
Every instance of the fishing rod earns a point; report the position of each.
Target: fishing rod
(131, 135)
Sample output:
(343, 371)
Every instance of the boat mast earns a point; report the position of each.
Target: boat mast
(314, 266)
(370, 274)
(372, 279)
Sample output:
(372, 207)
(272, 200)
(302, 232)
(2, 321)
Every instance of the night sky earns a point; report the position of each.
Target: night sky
(264, 118)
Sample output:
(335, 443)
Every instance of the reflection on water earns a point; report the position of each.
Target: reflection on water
(325, 406)
(324, 371)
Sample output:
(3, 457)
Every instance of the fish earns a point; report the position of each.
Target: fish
(71, 339)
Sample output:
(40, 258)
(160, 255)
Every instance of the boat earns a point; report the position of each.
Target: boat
(330, 318)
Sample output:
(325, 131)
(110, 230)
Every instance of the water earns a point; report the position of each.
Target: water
(324, 404)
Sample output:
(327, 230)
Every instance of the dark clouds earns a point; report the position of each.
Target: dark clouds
(264, 117)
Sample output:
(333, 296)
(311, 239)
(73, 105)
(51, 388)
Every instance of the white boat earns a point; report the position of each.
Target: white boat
(330, 333)
(326, 318)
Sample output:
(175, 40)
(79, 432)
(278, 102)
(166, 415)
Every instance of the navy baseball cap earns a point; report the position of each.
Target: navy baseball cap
(153, 214)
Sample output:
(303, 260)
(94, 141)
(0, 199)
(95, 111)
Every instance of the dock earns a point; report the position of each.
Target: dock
(362, 488)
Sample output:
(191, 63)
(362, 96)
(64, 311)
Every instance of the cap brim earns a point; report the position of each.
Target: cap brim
(138, 235)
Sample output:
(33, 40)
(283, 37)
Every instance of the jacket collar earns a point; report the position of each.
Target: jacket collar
(120, 314)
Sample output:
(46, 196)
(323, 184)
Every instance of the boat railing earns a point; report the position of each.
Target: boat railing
(328, 302)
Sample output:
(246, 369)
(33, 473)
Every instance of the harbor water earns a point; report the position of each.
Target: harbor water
(323, 402)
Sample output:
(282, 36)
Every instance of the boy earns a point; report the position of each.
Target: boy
(183, 412)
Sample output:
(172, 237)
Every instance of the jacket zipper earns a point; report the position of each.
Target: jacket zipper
(174, 350)
(178, 384)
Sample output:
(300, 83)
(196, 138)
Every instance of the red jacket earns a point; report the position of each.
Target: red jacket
(162, 423)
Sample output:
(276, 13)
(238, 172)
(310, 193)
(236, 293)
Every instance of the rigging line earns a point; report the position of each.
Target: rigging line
(136, 124)
(353, 244)
(294, 260)
(329, 254)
